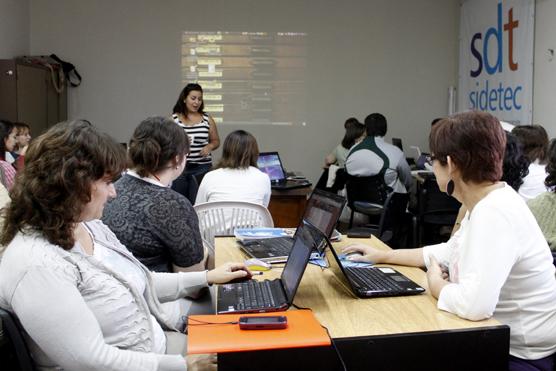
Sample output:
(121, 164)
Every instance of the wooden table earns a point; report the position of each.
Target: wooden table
(401, 333)
(287, 206)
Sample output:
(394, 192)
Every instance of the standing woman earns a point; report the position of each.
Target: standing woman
(189, 113)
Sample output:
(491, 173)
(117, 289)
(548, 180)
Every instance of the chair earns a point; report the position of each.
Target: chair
(11, 331)
(220, 218)
(366, 189)
(435, 208)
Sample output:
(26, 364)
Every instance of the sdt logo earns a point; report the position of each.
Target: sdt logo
(495, 98)
(495, 33)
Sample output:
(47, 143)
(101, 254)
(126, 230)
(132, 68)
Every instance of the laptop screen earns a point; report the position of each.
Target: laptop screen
(269, 163)
(303, 243)
(323, 210)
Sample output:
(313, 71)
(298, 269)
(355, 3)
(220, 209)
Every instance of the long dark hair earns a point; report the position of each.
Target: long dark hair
(180, 107)
(55, 185)
(550, 181)
(516, 165)
(155, 144)
(6, 128)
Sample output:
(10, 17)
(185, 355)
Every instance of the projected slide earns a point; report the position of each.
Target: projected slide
(248, 77)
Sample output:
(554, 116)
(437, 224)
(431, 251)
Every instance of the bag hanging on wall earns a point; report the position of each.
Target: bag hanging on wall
(70, 72)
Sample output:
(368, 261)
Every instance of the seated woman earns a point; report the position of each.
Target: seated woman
(333, 178)
(498, 263)
(23, 137)
(157, 224)
(544, 206)
(236, 177)
(534, 141)
(82, 298)
(7, 144)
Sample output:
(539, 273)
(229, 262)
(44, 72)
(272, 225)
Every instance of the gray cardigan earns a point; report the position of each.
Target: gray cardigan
(67, 304)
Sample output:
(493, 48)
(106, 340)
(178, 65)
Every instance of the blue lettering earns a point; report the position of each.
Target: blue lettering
(518, 88)
(499, 98)
(508, 96)
(497, 33)
(476, 54)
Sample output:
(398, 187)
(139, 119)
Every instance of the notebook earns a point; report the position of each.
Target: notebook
(270, 163)
(368, 282)
(322, 211)
(253, 296)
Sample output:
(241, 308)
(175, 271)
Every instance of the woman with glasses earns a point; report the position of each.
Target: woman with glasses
(498, 263)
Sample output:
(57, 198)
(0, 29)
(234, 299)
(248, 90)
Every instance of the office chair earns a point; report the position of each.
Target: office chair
(366, 189)
(18, 354)
(435, 209)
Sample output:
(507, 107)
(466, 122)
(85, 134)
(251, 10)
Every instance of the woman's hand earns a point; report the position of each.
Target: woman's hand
(201, 362)
(368, 253)
(436, 277)
(205, 151)
(227, 272)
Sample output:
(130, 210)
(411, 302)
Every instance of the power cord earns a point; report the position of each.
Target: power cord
(186, 320)
(330, 337)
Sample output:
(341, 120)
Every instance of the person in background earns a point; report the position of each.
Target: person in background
(83, 300)
(498, 263)
(534, 141)
(158, 225)
(7, 144)
(23, 137)
(201, 129)
(236, 177)
(374, 156)
(544, 205)
(355, 132)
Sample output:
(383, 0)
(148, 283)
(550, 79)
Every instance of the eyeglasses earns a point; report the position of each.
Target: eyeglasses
(430, 159)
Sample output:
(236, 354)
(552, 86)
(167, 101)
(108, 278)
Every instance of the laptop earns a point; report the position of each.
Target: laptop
(323, 211)
(369, 282)
(270, 163)
(254, 296)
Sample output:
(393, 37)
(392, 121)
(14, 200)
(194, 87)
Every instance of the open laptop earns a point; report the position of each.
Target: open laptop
(253, 296)
(270, 163)
(323, 211)
(369, 282)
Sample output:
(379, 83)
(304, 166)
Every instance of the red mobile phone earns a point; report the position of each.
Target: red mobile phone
(263, 323)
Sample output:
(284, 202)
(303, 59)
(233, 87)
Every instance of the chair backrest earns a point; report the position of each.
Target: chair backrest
(11, 330)
(366, 188)
(220, 218)
(433, 201)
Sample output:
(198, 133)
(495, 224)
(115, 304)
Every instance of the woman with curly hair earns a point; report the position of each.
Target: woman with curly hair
(81, 297)
(544, 206)
(515, 166)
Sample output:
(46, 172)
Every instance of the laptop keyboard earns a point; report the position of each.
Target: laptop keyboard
(255, 294)
(280, 246)
(373, 279)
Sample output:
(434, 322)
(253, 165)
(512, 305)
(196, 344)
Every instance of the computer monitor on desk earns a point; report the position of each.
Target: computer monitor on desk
(270, 163)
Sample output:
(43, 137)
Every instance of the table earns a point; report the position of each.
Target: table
(287, 206)
(401, 333)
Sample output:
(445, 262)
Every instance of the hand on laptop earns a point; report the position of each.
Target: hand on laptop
(227, 272)
(363, 253)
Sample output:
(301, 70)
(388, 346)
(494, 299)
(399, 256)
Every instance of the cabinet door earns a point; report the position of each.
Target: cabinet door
(8, 86)
(32, 97)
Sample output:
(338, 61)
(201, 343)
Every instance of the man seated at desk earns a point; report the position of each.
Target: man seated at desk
(373, 156)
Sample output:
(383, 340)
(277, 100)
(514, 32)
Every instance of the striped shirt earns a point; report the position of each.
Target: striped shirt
(7, 174)
(198, 138)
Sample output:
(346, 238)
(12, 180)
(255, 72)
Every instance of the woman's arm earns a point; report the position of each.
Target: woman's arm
(214, 139)
(54, 314)
(409, 257)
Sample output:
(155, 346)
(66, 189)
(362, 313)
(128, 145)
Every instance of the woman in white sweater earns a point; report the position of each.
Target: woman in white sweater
(498, 263)
(84, 301)
(237, 177)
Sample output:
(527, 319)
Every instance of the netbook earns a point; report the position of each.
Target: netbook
(369, 282)
(270, 163)
(323, 211)
(269, 296)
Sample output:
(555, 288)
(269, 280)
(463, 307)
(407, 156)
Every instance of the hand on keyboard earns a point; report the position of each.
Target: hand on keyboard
(228, 272)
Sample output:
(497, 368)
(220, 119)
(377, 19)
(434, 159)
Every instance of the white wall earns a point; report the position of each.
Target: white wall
(544, 92)
(14, 28)
(397, 57)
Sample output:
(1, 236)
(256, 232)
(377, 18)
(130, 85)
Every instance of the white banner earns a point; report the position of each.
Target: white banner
(496, 58)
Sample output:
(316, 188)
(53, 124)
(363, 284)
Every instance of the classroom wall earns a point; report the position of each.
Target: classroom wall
(544, 91)
(397, 57)
(14, 28)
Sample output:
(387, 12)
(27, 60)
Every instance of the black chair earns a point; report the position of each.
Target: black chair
(339, 181)
(366, 190)
(435, 210)
(18, 354)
